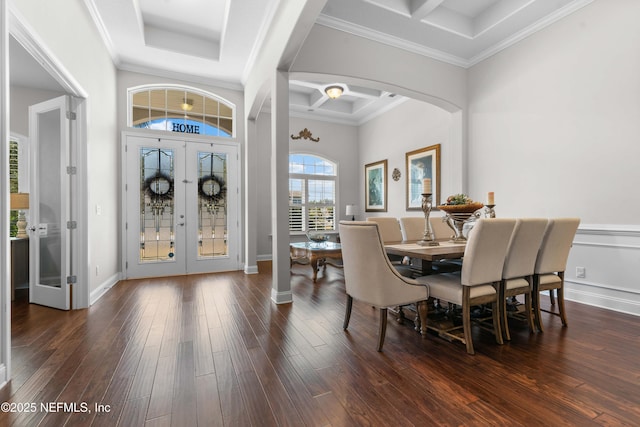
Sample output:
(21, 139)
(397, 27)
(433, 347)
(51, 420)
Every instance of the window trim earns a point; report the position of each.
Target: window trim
(335, 178)
(168, 86)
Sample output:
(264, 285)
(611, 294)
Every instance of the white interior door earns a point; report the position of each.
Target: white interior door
(49, 206)
(181, 217)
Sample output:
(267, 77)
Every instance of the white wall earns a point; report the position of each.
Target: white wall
(21, 99)
(338, 143)
(58, 24)
(553, 130)
(410, 126)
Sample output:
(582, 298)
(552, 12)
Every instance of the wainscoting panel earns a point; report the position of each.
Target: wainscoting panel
(610, 256)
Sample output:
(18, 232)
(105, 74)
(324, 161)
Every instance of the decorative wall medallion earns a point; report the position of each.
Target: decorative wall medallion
(396, 174)
(306, 134)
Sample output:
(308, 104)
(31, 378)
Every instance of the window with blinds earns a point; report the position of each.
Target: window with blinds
(312, 193)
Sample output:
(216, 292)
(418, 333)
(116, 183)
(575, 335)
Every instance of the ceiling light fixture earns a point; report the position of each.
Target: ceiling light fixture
(334, 91)
(187, 104)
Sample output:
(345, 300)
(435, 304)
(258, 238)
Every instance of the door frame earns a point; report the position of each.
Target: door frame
(11, 24)
(178, 138)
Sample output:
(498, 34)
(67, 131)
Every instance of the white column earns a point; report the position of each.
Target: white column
(251, 199)
(281, 288)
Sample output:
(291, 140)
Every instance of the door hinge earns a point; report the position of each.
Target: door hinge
(72, 279)
(126, 225)
(72, 224)
(71, 115)
(72, 170)
(126, 265)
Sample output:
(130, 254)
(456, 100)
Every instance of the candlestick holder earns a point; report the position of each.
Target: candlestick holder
(427, 237)
(490, 212)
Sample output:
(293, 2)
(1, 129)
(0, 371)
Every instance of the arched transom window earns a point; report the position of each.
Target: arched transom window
(181, 109)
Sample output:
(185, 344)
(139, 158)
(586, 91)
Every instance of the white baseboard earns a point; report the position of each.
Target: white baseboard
(281, 297)
(265, 257)
(250, 269)
(103, 288)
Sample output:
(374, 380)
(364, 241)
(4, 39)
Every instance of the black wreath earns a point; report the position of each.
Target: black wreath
(165, 195)
(214, 198)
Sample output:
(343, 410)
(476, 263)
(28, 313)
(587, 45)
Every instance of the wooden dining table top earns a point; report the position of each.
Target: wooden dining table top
(445, 250)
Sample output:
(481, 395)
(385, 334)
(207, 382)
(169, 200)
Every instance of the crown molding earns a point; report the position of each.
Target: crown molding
(528, 31)
(439, 55)
(367, 33)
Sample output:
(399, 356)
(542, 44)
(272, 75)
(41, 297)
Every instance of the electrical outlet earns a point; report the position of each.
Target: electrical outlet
(580, 272)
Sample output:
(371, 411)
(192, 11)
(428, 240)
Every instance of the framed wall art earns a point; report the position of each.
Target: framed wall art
(423, 164)
(375, 186)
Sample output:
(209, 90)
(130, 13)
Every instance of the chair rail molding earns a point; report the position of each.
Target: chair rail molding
(609, 254)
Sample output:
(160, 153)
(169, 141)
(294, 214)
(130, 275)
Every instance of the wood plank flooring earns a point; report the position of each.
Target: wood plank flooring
(213, 350)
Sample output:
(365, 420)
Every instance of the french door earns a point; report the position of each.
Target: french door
(49, 204)
(181, 206)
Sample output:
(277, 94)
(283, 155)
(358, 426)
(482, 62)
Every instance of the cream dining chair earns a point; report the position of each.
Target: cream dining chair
(370, 277)
(517, 273)
(412, 228)
(551, 264)
(479, 279)
(390, 232)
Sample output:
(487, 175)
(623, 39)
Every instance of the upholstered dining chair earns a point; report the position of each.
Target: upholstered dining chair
(479, 279)
(370, 277)
(389, 228)
(412, 228)
(517, 273)
(551, 263)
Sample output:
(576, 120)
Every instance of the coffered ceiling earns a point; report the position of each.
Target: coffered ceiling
(216, 41)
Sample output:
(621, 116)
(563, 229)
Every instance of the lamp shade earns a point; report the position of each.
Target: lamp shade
(19, 201)
(351, 210)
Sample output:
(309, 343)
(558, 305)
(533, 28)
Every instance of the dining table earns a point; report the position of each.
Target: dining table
(428, 254)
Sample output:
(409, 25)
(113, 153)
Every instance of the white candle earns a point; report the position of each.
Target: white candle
(426, 186)
(490, 198)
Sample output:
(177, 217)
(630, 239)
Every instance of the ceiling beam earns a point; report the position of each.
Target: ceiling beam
(421, 8)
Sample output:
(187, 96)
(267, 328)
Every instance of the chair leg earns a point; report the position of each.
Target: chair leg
(528, 311)
(382, 330)
(497, 320)
(537, 312)
(347, 314)
(560, 291)
(551, 297)
(535, 300)
(466, 319)
(502, 301)
(423, 311)
(563, 315)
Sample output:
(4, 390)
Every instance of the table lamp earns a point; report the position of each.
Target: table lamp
(19, 202)
(351, 211)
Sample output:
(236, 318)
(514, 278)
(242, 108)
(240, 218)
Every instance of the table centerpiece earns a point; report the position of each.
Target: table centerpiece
(459, 210)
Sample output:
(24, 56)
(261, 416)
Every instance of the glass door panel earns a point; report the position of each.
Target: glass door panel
(155, 224)
(212, 204)
(213, 226)
(157, 234)
(49, 260)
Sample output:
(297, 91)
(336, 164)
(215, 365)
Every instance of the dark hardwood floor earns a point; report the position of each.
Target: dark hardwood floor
(213, 350)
